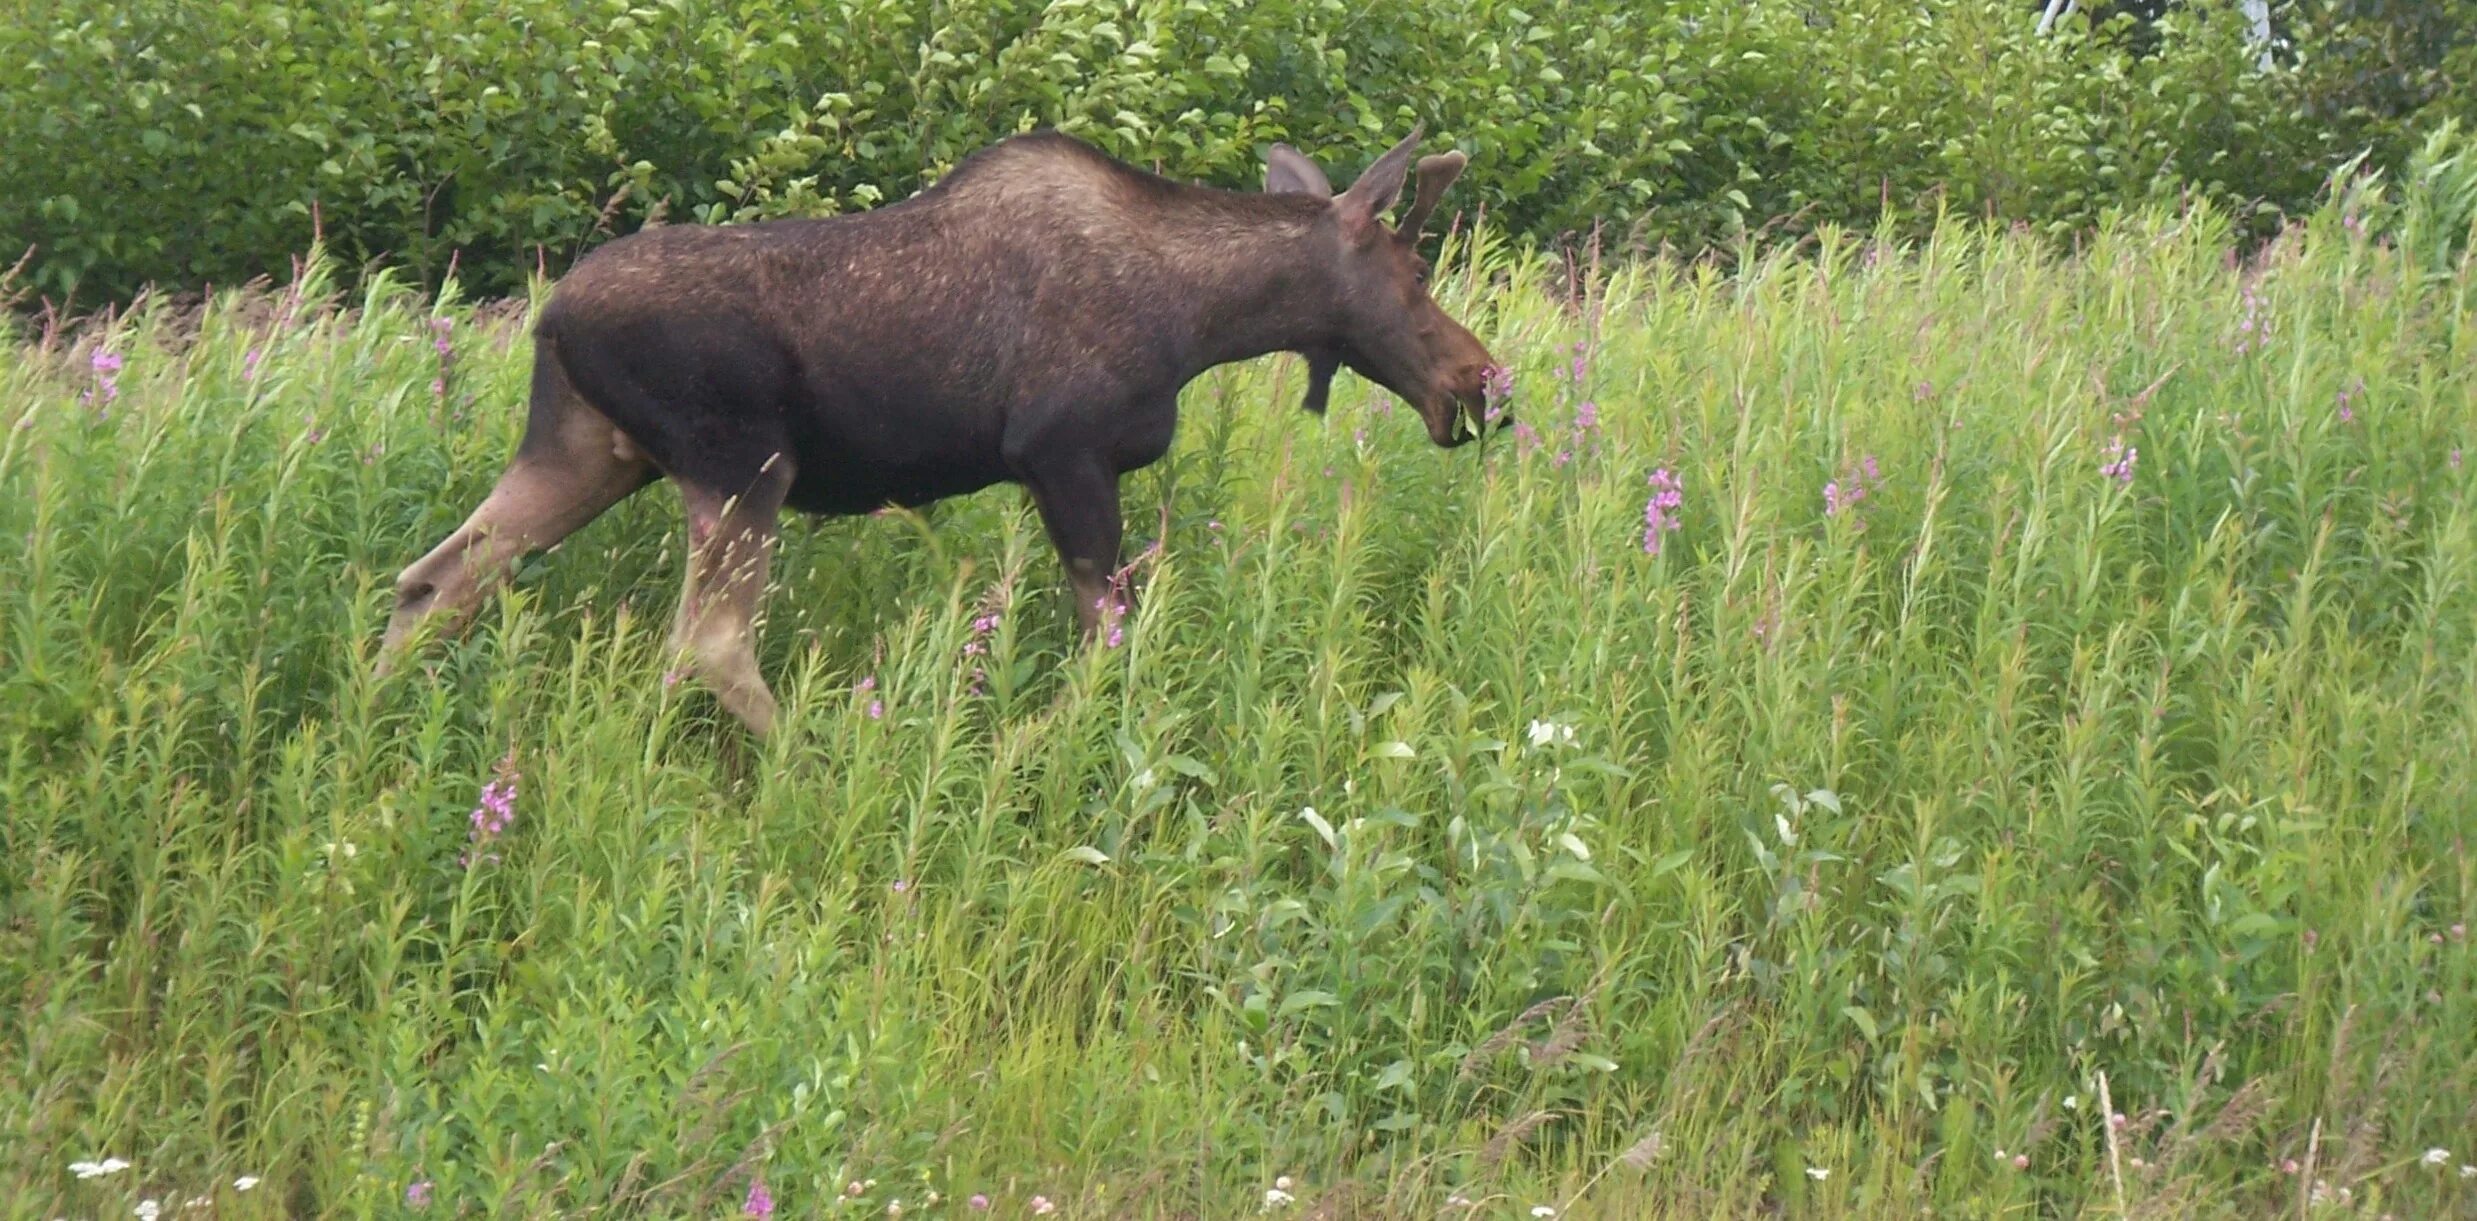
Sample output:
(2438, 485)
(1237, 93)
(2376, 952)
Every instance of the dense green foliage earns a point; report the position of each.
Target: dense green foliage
(2059, 680)
(185, 141)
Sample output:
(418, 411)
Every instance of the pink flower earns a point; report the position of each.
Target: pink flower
(1852, 486)
(106, 366)
(877, 710)
(1660, 512)
(2120, 460)
(760, 1202)
(1497, 383)
(1041, 1207)
(979, 1203)
(2253, 331)
(492, 816)
(417, 1193)
(1113, 614)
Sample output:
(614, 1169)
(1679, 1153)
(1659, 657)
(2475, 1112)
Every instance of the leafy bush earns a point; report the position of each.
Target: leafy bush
(182, 142)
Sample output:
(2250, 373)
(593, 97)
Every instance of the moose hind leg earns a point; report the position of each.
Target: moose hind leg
(731, 544)
(549, 492)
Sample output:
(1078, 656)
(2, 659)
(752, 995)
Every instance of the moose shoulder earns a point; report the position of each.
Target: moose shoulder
(1031, 319)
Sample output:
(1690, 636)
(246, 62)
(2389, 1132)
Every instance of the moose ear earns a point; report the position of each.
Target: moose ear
(1286, 169)
(1379, 187)
(1435, 174)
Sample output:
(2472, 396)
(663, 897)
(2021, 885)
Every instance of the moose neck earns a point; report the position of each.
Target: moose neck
(1253, 284)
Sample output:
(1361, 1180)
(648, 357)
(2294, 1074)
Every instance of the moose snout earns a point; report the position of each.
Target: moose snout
(1463, 414)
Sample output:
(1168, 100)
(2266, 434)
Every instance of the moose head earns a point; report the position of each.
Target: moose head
(1391, 331)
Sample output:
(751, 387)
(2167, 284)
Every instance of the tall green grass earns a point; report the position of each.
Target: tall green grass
(1428, 846)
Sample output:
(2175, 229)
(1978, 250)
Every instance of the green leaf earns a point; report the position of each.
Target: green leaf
(1397, 1075)
(1301, 1002)
(1324, 830)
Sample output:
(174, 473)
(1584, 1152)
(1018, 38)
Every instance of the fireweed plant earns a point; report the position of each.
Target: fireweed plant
(1594, 821)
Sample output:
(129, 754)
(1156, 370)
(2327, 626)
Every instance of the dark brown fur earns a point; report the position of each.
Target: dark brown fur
(1029, 319)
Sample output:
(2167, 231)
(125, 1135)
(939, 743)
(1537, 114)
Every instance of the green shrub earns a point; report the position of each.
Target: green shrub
(185, 142)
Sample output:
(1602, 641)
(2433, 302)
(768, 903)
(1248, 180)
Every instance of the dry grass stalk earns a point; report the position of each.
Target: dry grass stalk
(1504, 1038)
(1642, 1153)
(1494, 1152)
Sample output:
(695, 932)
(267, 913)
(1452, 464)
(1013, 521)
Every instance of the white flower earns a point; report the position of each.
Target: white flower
(1543, 1210)
(1788, 834)
(1545, 732)
(2072, 1102)
(2436, 1157)
(245, 1182)
(1276, 1198)
(2468, 1172)
(1283, 1182)
(894, 1208)
(1818, 1173)
(149, 1209)
(96, 1170)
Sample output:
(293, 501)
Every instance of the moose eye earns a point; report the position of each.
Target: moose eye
(1420, 270)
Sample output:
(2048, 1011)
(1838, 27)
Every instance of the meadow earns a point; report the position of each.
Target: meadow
(1942, 725)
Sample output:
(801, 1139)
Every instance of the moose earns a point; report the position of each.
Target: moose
(1029, 318)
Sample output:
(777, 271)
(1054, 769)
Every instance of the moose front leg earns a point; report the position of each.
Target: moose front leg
(1078, 500)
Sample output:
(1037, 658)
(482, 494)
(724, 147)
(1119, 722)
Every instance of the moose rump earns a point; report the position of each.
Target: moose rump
(1031, 319)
